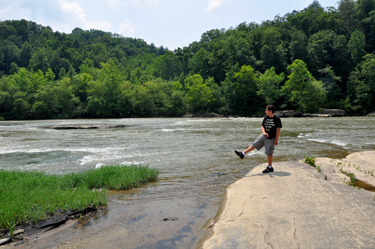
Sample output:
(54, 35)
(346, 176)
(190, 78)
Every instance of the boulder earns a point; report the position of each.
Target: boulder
(333, 112)
(372, 114)
(288, 113)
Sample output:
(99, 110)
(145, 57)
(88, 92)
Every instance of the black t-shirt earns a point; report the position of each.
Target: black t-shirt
(271, 125)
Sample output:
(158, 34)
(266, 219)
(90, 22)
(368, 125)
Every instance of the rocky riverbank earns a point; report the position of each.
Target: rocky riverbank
(299, 206)
(30, 231)
(325, 113)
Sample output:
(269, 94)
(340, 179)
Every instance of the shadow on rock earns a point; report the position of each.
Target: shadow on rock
(272, 174)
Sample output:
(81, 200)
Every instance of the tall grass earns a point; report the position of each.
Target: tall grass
(31, 196)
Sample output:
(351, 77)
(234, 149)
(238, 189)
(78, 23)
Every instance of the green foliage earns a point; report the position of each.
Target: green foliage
(356, 46)
(242, 68)
(303, 89)
(269, 86)
(31, 196)
(198, 95)
(361, 86)
(310, 161)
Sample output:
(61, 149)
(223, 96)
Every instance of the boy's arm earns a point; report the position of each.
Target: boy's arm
(264, 131)
(277, 136)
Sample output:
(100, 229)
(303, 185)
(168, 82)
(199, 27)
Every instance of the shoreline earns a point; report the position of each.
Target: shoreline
(299, 206)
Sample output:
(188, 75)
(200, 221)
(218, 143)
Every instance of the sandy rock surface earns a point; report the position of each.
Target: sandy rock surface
(297, 207)
(361, 164)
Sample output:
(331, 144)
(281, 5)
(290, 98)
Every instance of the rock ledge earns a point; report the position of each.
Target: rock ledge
(296, 207)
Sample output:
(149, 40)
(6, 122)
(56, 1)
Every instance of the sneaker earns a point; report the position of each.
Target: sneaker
(239, 153)
(268, 170)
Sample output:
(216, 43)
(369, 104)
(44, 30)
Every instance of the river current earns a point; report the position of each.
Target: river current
(194, 156)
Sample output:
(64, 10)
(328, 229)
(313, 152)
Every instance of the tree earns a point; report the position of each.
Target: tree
(356, 46)
(301, 87)
(369, 30)
(167, 66)
(298, 46)
(245, 85)
(269, 86)
(10, 54)
(21, 106)
(25, 55)
(199, 64)
(347, 15)
(327, 48)
(366, 89)
(330, 80)
(198, 95)
(363, 8)
(39, 60)
(103, 95)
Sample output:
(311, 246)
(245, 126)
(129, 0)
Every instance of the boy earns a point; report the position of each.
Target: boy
(271, 126)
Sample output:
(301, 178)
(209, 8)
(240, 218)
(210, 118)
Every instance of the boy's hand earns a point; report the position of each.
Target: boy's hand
(266, 134)
(276, 142)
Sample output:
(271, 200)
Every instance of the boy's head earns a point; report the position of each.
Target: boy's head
(270, 108)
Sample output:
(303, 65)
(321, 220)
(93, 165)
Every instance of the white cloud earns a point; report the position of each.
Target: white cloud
(119, 4)
(73, 11)
(77, 16)
(152, 2)
(214, 4)
(2, 12)
(127, 27)
(116, 4)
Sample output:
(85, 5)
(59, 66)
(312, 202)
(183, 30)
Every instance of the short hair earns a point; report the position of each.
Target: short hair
(271, 108)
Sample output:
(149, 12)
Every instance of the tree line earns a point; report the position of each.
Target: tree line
(305, 60)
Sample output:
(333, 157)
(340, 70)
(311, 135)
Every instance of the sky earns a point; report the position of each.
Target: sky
(167, 23)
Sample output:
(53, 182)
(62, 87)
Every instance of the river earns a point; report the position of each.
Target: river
(194, 156)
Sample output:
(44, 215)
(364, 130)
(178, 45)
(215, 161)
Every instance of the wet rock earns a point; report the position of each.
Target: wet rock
(288, 113)
(73, 127)
(4, 241)
(333, 112)
(170, 219)
(372, 114)
(53, 224)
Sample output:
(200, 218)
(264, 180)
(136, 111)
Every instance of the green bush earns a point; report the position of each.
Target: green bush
(310, 161)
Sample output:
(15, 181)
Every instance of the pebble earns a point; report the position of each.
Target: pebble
(3, 241)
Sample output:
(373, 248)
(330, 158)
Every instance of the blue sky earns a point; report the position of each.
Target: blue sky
(171, 23)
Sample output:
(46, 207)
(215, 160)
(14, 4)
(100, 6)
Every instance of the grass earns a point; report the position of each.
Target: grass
(32, 196)
(310, 161)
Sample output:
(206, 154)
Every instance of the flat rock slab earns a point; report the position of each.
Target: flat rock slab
(361, 164)
(72, 127)
(294, 207)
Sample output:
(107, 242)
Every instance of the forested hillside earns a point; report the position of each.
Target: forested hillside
(305, 60)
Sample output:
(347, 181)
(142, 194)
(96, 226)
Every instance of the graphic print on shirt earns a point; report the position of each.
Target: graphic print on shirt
(268, 124)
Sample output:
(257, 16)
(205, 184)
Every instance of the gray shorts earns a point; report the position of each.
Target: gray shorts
(269, 144)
